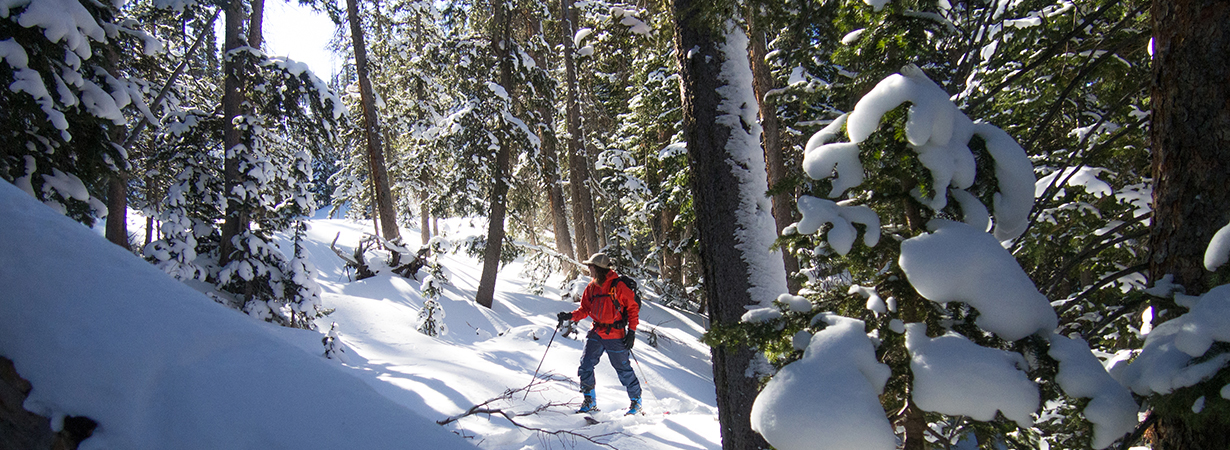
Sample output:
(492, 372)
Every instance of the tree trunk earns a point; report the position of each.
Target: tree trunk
(555, 192)
(550, 168)
(1191, 169)
(425, 213)
(256, 29)
(582, 203)
(117, 211)
(783, 204)
(499, 189)
(236, 220)
(717, 194)
(375, 146)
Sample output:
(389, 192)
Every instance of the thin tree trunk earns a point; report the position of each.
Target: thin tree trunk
(425, 213)
(375, 146)
(550, 167)
(783, 206)
(716, 196)
(499, 191)
(117, 211)
(236, 220)
(256, 32)
(555, 192)
(582, 202)
(1191, 171)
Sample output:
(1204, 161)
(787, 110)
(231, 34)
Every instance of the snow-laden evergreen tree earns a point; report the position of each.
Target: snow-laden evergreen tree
(334, 347)
(431, 317)
(1082, 131)
(291, 114)
(63, 64)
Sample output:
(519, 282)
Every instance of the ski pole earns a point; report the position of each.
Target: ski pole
(544, 358)
(643, 374)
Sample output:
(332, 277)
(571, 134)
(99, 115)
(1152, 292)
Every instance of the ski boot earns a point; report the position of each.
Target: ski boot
(635, 408)
(590, 404)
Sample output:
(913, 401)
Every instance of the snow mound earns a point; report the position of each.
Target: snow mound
(1165, 363)
(159, 365)
(940, 134)
(954, 376)
(957, 262)
(829, 399)
(1112, 409)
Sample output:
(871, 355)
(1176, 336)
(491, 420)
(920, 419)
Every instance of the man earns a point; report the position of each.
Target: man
(616, 314)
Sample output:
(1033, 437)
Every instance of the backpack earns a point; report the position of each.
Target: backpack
(636, 295)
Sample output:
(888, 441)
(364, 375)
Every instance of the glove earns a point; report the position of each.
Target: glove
(566, 315)
(629, 339)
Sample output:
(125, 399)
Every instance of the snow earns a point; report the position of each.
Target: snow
(160, 365)
(955, 376)
(582, 33)
(61, 20)
(1085, 177)
(1218, 251)
(876, 4)
(1166, 361)
(1112, 410)
(874, 302)
(956, 262)
(795, 303)
(818, 212)
(940, 134)
(737, 111)
(853, 36)
(828, 399)
(635, 25)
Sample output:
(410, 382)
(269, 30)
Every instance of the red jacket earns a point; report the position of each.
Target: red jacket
(598, 302)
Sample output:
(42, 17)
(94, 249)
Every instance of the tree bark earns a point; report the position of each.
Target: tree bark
(771, 138)
(375, 145)
(256, 29)
(582, 202)
(550, 168)
(555, 192)
(716, 196)
(236, 220)
(425, 213)
(117, 211)
(1190, 134)
(499, 189)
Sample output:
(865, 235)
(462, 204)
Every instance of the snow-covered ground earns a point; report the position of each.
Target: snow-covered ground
(103, 334)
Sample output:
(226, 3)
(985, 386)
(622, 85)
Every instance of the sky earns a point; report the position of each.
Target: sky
(299, 33)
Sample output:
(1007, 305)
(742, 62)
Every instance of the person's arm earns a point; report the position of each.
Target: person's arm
(583, 311)
(631, 310)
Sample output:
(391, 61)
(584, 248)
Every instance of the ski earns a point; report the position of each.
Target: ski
(590, 420)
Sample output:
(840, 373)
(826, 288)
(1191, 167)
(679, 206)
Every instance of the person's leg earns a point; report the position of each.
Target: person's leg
(589, 358)
(623, 367)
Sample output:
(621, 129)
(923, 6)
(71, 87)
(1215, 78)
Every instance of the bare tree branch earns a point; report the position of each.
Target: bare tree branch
(511, 416)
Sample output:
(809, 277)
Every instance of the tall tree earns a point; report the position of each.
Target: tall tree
(583, 219)
(1191, 169)
(783, 205)
(501, 46)
(383, 204)
(728, 186)
(236, 221)
(549, 157)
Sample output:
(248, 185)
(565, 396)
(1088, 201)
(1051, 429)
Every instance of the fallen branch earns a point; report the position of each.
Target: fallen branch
(356, 261)
(511, 416)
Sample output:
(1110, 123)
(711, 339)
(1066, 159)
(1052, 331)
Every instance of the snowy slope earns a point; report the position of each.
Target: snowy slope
(103, 334)
(487, 352)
